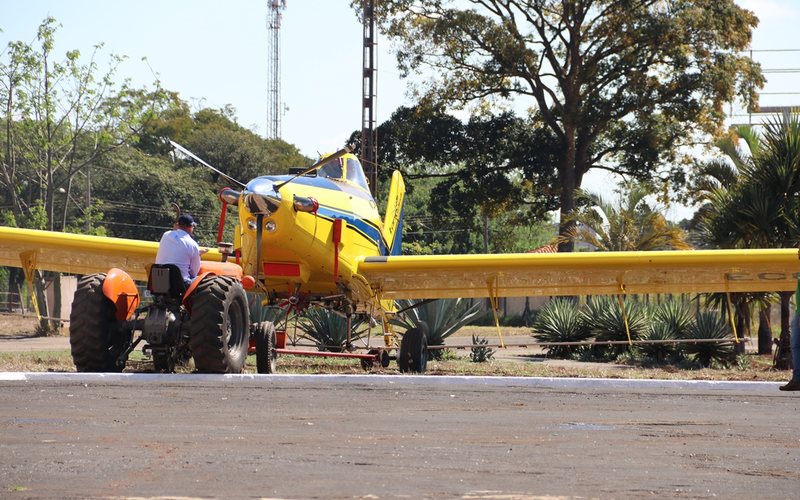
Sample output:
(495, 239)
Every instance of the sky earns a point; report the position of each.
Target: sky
(214, 53)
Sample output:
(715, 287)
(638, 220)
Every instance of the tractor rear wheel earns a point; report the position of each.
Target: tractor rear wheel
(94, 340)
(219, 326)
(413, 354)
(266, 352)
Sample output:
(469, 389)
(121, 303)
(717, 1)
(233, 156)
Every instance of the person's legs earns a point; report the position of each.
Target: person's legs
(794, 343)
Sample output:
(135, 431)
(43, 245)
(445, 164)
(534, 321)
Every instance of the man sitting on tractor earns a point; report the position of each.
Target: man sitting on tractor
(179, 248)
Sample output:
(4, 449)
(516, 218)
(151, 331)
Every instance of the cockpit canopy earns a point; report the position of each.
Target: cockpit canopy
(345, 168)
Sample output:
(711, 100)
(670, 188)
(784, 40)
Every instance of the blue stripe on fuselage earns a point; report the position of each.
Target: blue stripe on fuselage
(362, 226)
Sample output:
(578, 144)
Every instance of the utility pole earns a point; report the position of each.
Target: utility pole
(369, 131)
(274, 68)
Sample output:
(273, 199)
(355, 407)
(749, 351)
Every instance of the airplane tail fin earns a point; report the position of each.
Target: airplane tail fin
(393, 222)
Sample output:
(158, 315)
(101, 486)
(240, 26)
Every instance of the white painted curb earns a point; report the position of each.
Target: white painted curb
(396, 381)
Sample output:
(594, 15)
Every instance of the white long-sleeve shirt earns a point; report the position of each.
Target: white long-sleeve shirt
(177, 247)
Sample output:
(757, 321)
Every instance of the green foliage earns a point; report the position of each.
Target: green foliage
(709, 325)
(758, 204)
(630, 225)
(560, 320)
(675, 314)
(328, 330)
(659, 353)
(606, 320)
(444, 317)
(641, 80)
(262, 312)
(480, 352)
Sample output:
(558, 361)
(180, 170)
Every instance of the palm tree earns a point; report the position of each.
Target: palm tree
(759, 209)
(770, 201)
(632, 224)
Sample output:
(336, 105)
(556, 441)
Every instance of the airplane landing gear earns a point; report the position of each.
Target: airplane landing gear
(413, 354)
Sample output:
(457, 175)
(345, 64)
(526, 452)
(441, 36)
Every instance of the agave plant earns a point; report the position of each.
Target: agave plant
(674, 314)
(261, 312)
(444, 317)
(560, 320)
(710, 325)
(606, 321)
(481, 352)
(659, 330)
(327, 330)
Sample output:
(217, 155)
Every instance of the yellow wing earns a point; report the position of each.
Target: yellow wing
(600, 273)
(77, 253)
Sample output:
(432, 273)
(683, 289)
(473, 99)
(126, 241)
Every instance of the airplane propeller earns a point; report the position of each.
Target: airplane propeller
(263, 197)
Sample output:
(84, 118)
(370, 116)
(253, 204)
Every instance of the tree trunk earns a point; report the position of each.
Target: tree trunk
(783, 358)
(566, 173)
(764, 330)
(741, 321)
(39, 288)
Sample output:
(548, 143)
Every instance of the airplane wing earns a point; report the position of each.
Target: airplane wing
(78, 253)
(581, 273)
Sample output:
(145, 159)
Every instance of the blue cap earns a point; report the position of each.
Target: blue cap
(186, 220)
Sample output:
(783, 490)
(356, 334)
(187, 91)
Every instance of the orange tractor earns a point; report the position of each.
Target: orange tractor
(208, 321)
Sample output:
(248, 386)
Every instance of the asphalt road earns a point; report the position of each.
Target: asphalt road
(73, 436)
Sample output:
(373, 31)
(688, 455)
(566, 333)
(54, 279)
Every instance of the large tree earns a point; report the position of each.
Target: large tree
(621, 84)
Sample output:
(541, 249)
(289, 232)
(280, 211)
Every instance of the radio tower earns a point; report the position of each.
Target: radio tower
(369, 130)
(274, 69)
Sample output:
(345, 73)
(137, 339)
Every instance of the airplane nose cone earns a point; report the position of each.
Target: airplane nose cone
(261, 197)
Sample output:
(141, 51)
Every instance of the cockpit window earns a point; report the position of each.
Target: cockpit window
(355, 173)
(352, 171)
(331, 170)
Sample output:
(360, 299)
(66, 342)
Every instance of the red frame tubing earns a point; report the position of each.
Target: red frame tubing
(222, 220)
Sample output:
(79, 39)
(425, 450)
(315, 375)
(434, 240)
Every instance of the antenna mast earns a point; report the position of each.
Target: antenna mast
(369, 131)
(274, 68)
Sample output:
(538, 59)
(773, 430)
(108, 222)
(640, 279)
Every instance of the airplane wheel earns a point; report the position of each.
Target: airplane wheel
(163, 361)
(385, 358)
(368, 364)
(413, 355)
(220, 326)
(94, 342)
(266, 352)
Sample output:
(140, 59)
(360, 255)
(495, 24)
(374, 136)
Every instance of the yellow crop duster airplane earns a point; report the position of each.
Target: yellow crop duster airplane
(316, 238)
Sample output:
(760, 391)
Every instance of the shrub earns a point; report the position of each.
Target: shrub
(659, 353)
(676, 315)
(444, 317)
(261, 312)
(327, 330)
(710, 325)
(560, 320)
(481, 352)
(606, 322)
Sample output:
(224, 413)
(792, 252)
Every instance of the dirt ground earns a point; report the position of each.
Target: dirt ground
(391, 437)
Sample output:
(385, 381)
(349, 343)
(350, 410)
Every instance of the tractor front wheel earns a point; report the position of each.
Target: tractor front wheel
(220, 326)
(266, 352)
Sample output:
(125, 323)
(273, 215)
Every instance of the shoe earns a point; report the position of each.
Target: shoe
(793, 385)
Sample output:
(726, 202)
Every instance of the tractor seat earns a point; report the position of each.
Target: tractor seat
(166, 279)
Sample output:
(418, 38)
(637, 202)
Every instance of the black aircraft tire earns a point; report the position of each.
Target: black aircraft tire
(220, 326)
(94, 343)
(163, 362)
(266, 352)
(413, 355)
